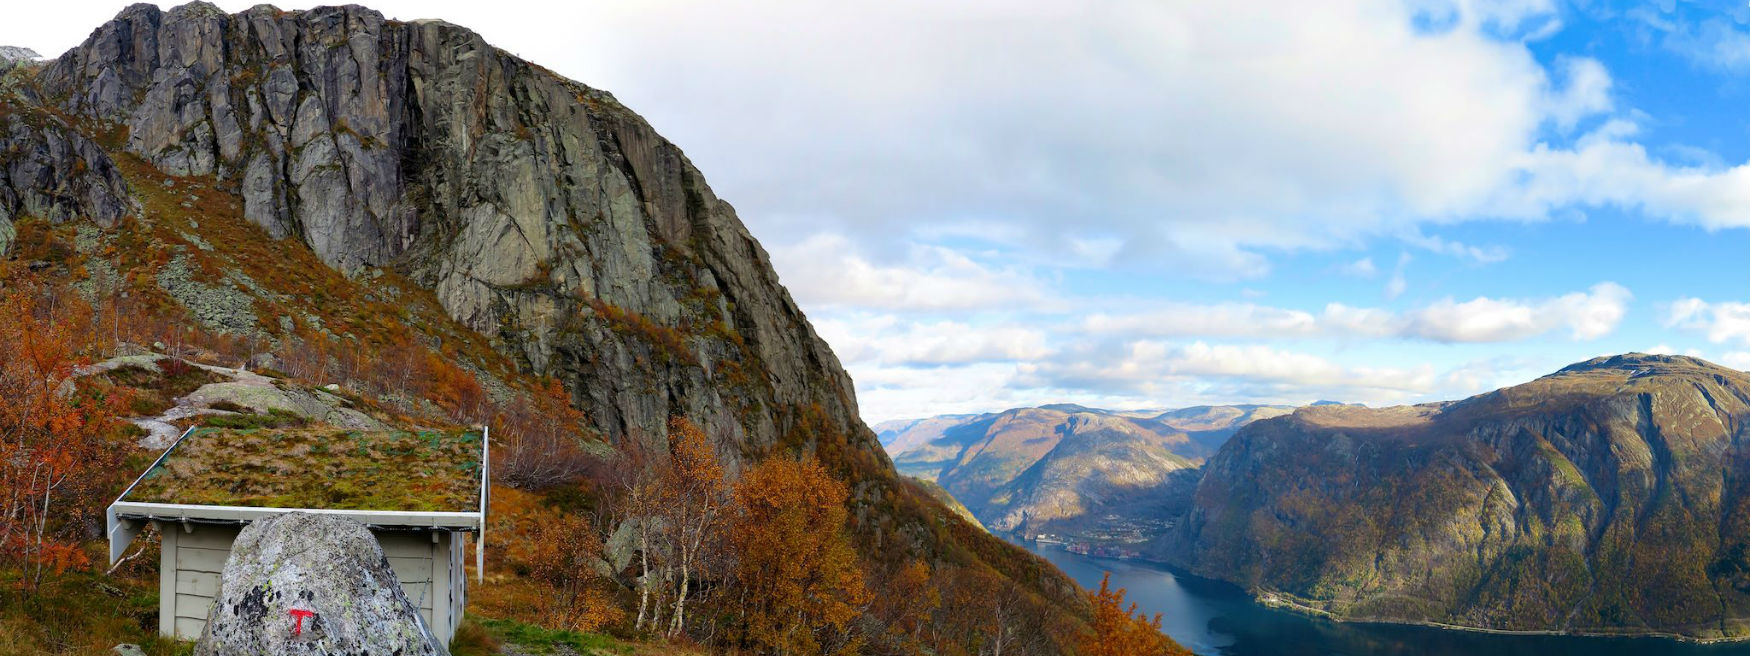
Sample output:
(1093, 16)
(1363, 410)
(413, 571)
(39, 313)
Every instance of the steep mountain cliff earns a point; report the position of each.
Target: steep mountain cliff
(1607, 497)
(539, 216)
(1030, 468)
(542, 212)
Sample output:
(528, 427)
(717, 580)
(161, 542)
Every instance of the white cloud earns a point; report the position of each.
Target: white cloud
(1315, 125)
(1362, 268)
(1736, 360)
(890, 341)
(1720, 322)
(1667, 349)
(1398, 283)
(1606, 168)
(1587, 92)
(827, 271)
(1714, 43)
(1584, 315)
(1437, 244)
(1186, 373)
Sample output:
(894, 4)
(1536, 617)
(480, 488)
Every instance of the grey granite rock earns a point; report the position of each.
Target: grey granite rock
(541, 212)
(49, 171)
(330, 567)
(15, 53)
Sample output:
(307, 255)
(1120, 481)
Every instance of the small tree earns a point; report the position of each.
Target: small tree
(693, 498)
(55, 441)
(799, 583)
(1120, 631)
(539, 437)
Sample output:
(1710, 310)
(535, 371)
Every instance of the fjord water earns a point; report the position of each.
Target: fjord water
(1214, 619)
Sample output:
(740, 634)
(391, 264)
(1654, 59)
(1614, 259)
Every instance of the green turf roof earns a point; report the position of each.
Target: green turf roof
(319, 468)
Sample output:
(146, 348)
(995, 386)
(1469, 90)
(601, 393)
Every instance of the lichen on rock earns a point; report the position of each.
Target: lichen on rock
(328, 569)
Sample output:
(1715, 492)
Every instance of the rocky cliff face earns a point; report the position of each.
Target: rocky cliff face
(49, 170)
(542, 212)
(1607, 497)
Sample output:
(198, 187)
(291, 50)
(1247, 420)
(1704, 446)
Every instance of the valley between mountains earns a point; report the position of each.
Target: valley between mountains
(1606, 498)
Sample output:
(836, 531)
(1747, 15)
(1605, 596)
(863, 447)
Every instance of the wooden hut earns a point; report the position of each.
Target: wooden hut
(419, 492)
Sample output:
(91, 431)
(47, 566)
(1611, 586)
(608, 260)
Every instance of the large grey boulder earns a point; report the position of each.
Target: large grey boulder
(328, 570)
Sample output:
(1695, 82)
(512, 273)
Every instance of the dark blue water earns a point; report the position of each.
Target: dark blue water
(1217, 619)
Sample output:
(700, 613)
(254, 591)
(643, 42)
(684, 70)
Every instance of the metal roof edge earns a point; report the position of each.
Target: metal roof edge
(468, 520)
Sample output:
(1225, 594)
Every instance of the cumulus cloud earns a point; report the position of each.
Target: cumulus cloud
(1587, 92)
(890, 341)
(827, 271)
(1721, 322)
(1736, 360)
(1586, 315)
(1199, 371)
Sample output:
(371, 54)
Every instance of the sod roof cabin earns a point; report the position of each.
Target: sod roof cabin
(419, 492)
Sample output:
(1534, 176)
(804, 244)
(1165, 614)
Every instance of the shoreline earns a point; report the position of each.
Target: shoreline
(1286, 602)
(1276, 601)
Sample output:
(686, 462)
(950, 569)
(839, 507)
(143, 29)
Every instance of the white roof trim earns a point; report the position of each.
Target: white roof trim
(467, 521)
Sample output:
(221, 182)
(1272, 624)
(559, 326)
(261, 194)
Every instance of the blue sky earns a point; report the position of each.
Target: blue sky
(1162, 203)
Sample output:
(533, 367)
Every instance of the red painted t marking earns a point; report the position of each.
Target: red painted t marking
(298, 616)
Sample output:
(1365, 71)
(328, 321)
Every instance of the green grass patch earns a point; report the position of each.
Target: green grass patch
(79, 612)
(546, 641)
(273, 419)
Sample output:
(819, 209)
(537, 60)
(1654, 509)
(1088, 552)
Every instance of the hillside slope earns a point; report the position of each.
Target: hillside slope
(378, 187)
(1607, 497)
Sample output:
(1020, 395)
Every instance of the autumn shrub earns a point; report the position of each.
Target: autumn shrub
(800, 585)
(539, 437)
(563, 556)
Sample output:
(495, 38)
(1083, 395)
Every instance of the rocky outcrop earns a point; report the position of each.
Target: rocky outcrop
(541, 211)
(17, 54)
(47, 169)
(311, 584)
(1608, 497)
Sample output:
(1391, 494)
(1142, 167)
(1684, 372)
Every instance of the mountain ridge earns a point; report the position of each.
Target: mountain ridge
(1601, 498)
(1043, 468)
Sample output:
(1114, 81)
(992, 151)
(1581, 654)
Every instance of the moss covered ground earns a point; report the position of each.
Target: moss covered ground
(319, 468)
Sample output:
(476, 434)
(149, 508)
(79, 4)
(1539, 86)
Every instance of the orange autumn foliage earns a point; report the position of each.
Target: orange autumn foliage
(1120, 631)
(540, 436)
(800, 582)
(693, 497)
(55, 439)
(563, 554)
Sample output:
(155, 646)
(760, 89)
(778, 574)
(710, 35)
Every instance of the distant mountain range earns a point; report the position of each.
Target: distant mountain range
(1612, 496)
(1031, 469)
